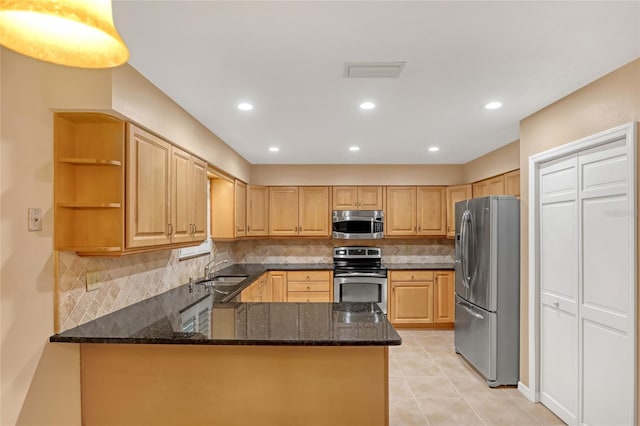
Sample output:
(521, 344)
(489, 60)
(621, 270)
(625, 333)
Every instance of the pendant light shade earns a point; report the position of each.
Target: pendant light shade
(76, 33)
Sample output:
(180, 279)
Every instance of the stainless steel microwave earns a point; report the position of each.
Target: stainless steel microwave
(358, 224)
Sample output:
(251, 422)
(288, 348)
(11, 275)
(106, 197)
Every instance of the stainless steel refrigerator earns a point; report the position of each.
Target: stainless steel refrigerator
(487, 265)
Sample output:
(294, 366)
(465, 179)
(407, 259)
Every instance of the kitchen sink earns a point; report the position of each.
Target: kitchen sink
(225, 280)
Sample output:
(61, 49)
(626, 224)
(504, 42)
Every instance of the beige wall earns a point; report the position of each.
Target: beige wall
(501, 160)
(356, 175)
(40, 380)
(132, 97)
(608, 102)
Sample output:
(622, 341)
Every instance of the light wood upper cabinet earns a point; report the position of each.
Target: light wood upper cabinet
(415, 210)
(370, 198)
(357, 198)
(313, 211)
(283, 210)
(188, 197)
(512, 183)
(223, 215)
(299, 211)
(241, 208)
(120, 189)
(400, 216)
(198, 192)
(228, 208)
(148, 186)
(455, 194)
(431, 210)
(166, 192)
(444, 297)
(257, 210)
(89, 153)
(491, 186)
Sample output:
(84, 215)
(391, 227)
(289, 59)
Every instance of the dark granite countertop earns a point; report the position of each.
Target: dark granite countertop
(172, 317)
(420, 266)
(204, 317)
(254, 270)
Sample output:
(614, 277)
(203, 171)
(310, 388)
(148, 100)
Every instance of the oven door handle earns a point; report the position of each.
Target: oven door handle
(359, 274)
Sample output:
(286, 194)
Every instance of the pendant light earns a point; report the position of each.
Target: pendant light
(76, 33)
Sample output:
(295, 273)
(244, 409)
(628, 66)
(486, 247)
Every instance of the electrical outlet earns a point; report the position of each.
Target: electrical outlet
(34, 216)
(94, 280)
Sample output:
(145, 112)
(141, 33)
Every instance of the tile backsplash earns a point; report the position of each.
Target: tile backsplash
(320, 250)
(129, 279)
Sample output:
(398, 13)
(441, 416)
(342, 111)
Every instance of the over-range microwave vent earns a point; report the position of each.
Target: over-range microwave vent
(373, 69)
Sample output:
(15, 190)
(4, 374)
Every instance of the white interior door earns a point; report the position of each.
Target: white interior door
(607, 298)
(585, 280)
(559, 269)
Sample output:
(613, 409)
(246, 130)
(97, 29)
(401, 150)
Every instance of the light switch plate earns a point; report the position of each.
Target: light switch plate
(34, 216)
(94, 280)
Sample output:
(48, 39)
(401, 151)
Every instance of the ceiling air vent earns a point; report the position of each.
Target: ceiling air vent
(373, 69)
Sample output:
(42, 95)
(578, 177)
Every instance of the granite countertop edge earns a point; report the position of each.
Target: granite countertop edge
(223, 342)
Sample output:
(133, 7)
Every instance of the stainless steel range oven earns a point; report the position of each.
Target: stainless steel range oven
(358, 276)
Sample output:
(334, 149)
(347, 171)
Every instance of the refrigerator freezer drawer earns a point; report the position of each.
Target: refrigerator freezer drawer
(475, 337)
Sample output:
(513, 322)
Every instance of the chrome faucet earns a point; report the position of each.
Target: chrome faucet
(208, 269)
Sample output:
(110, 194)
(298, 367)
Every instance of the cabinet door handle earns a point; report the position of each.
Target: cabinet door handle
(170, 229)
(248, 228)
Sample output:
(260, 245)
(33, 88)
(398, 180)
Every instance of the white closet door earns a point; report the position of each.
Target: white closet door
(559, 267)
(607, 297)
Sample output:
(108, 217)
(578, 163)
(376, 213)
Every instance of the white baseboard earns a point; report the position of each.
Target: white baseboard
(526, 392)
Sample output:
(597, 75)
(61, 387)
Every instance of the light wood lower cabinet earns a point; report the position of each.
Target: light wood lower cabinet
(278, 283)
(421, 298)
(444, 297)
(258, 291)
(309, 286)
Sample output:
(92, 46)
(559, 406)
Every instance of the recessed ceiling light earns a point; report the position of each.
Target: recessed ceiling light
(434, 149)
(354, 148)
(244, 106)
(274, 149)
(367, 105)
(493, 105)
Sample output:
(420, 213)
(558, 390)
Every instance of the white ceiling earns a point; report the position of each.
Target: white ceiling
(287, 59)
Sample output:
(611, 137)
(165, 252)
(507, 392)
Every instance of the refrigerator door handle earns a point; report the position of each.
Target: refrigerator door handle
(464, 247)
(471, 312)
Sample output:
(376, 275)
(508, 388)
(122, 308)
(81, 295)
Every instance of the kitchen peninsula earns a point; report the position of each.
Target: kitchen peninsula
(194, 355)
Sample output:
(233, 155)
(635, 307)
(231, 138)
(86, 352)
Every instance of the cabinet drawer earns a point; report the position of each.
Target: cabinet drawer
(309, 286)
(308, 296)
(309, 275)
(411, 275)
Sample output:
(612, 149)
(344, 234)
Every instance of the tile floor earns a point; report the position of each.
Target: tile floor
(430, 385)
